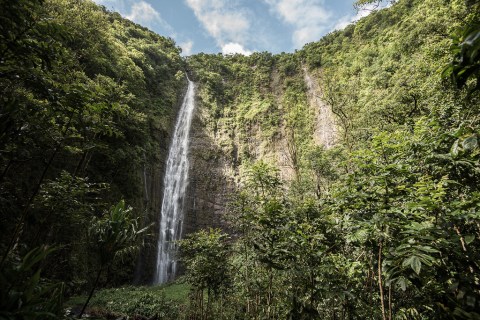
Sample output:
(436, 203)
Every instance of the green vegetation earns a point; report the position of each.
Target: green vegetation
(163, 302)
(256, 106)
(85, 98)
(24, 294)
(383, 225)
(113, 236)
(205, 254)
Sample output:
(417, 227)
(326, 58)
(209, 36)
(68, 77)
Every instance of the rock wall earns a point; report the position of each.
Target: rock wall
(215, 166)
(326, 133)
(209, 183)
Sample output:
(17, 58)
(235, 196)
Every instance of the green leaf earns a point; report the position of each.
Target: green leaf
(470, 143)
(469, 239)
(416, 264)
(454, 149)
(403, 284)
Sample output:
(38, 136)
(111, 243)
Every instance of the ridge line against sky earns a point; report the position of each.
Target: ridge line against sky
(239, 26)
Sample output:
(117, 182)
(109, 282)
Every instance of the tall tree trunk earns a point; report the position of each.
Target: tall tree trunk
(207, 310)
(270, 294)
(380, 282)
(91, 292)
(390, 302)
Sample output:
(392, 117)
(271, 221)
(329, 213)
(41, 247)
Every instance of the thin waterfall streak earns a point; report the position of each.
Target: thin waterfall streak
(175, 184)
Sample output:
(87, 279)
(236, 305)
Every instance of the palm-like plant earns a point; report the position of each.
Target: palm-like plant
(113, 236)
(23, 293)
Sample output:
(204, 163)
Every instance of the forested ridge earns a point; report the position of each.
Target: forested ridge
(378, 219)
(86, 97)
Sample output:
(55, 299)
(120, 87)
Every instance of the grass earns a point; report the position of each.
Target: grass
(176, 291)
(163, 301)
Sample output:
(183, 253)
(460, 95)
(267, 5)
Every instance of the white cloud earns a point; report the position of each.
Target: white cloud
(186, 47)
(307, 34)
(309, 18)
(143, 12)
(343, 22)
(232, 48)
(361, 13)
(138, 11)
(222, 20)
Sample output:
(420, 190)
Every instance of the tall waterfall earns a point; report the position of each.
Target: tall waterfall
(175, 183)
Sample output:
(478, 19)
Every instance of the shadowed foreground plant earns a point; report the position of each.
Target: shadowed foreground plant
(23, 294)
(113, 236)
(205, 255)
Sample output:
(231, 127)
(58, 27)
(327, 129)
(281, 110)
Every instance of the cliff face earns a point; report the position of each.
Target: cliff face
(260, 108)
(325, 132)
(209, 181)
(152, 176)
(279, 108)
(242, 118)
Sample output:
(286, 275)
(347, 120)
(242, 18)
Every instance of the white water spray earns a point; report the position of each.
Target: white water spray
(175, 184)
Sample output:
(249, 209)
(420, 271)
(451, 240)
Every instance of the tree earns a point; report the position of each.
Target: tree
(112, 236)
(205, 255)
(465, 64)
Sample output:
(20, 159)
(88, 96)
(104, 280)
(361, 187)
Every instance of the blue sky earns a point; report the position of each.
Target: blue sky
(239, 26)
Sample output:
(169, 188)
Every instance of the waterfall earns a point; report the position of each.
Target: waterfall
(175, 183)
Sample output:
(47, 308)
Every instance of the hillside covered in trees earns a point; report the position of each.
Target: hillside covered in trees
(87, 103)
(340, 181)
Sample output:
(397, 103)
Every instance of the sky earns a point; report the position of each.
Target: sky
(239, 26)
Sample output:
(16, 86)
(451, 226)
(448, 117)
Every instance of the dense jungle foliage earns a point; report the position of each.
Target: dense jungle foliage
(385, 225)
(84, 96)
(382, 224)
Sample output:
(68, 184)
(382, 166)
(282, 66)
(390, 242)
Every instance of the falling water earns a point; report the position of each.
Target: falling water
(175, 183)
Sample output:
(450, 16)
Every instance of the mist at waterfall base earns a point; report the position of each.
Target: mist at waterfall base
(175, 184)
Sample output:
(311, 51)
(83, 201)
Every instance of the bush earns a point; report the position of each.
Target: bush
(149, 302)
